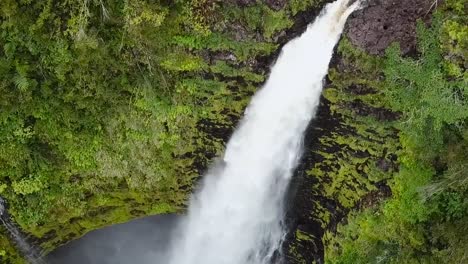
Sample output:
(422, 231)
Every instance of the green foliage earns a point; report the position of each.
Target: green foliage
(430, 197)
(223, 68)
(454, 37)
(7, 252)
(297, 6)
(261, 17)
(101, 105)
(274, 22)
(28, 185)
(356, 149)
(242, 50)
(421, 90)
(183, 62)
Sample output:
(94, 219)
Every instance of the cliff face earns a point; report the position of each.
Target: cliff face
(119, 108)
(202, 89)
(351, 147)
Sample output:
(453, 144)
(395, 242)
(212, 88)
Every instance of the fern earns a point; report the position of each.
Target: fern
(21, 82)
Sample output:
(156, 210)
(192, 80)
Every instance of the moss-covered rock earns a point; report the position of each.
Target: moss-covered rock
(350, 153)
(352, 145)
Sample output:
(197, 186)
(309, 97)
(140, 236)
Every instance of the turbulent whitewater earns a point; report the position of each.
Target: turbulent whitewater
(236, 217)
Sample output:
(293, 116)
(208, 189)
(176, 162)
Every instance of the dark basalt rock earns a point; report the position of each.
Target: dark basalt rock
(276, 4)
(273, 4)
(383, 22)
(362, 109)
(241, 2)
(301, 197)
(372, 29)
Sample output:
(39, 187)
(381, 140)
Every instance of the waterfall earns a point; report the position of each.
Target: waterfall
(31, 254)
(236, 217)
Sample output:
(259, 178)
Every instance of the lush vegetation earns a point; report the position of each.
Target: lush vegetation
(109, 110)
(426, 219)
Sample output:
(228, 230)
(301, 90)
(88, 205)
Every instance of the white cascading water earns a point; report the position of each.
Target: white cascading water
(236, 217)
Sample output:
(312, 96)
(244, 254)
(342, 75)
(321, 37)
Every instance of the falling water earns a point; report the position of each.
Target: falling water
(236, 218)
(31, 254)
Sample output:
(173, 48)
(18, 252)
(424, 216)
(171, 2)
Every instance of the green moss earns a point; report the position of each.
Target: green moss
(223, 68)
(125, 111)
(303, 236)
(427, 197)
(181, 61)
(297, 6)
(275, 21)
(8, 253)
(242, 50)
(351, 154)
(259, 17)
(293, 252)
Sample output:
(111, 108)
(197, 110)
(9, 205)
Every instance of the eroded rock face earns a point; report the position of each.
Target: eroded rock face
(273, 4)
(383, 22)
(331, 179)
(241, 2)
(276, 4)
